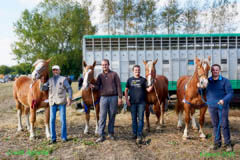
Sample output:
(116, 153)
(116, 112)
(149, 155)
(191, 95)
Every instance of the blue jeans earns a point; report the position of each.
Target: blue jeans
(53, 110)
(137, 111)
(215, 113)
(108, 105)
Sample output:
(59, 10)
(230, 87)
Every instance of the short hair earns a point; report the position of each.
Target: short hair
(217, 66)
(136, 66)
(106, 60)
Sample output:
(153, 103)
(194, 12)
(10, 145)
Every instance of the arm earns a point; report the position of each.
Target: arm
(44, 86)
(119, 89)
(228, 89)
(97, 85)
(148, 88)
(69, 90)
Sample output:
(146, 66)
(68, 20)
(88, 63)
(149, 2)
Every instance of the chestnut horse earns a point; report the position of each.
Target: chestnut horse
(158, 95)
(189, 98)
(90, 97)
(29, 98)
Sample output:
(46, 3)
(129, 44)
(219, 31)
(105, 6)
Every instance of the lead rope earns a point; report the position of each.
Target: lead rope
(157, 96)
(94, 106)
(220, 107)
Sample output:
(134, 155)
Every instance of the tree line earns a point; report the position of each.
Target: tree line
(55, 28)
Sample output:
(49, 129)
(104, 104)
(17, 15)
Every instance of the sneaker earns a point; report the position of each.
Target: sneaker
(53, 142)
(64, 140)
(110, 136)
(229, 147)
(100, 139)
(139, 140)
(215, 146)
(134, 136)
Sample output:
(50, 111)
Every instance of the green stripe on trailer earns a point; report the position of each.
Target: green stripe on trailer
(161, 35)
(172, 85)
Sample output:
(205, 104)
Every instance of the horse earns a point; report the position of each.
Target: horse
(29, 98)
(90, 96)
(158, 95)
(189, 98)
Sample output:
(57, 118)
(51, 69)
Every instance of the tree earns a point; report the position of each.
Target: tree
(170, 16)
(145, 17)
(189, 18)
(110, 10)
(5, 69)
(54, 28)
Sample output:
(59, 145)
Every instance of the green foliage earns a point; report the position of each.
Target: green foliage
(55, 28)
(170, 17)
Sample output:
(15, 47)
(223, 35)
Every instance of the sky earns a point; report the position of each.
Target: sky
(10, 12)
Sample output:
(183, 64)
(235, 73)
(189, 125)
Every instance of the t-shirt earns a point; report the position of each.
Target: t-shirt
(137, 89)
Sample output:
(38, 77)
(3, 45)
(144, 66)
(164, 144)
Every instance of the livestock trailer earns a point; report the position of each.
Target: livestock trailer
(175, 53)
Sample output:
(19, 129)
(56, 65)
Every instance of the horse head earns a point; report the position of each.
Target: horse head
(41, 69)
(88, 74)
(150, 71)
(202, 69)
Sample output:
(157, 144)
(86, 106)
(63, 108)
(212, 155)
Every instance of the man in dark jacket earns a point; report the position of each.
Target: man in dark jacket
(108, 83)
(219, 94)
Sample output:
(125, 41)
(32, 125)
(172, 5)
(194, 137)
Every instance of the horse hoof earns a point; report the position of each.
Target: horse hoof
(185, 138)
(179, 127)
(203, 136)
(31, 138)
(19, 129)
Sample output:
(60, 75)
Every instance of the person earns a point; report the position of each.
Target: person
(219, 93)
(58, 86)
(80, 82)
(136, 87)
(108, 83)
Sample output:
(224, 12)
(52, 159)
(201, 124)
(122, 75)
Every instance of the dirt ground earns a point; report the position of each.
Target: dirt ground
(164, 144)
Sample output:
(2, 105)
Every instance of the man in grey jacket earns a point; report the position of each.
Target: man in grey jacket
(58, 87)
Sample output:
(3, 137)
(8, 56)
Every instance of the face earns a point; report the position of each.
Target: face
(88, 74)
(105, 66)
(56, 72)
(203, 68)
(136, 71)
(215, 71)
(39, 68)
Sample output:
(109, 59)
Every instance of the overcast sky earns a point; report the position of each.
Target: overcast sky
(10, 12)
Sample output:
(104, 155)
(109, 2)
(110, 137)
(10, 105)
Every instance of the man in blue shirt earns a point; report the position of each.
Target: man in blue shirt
(219, 92)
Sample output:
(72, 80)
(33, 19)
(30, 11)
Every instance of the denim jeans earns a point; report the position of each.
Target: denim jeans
(53, 110)
(137, 111)
(215, 114)
(108, 105)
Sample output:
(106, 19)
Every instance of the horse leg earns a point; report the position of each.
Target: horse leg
(162, 108)
(194, 124)
(147, 117)
(87, 118)
(19, 107)
(32, 121)
(27, 109)
(201, 122)
(47, 115)
(179, 112)
(157, 110)
(187, 119)
(97, 116)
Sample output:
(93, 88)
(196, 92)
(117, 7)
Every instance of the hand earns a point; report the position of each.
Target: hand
(128, 103)
(119, 101)
(69, 102)
(149, 89)
(91, 86)
(221, 102)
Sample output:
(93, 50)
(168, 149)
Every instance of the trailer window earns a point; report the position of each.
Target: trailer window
(223, 61)
(165, 62)
(190, 62)
(238, 61)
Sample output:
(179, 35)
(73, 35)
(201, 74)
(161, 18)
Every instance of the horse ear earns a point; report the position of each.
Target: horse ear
(47, 61)
(144, 62)
(209, 60)
(155, 61)
(94, 64)
(197, 60)
(84, 64)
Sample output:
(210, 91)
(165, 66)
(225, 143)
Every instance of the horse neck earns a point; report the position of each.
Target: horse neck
(193, 82)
